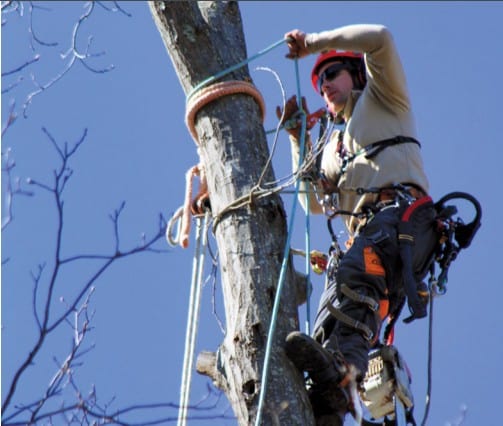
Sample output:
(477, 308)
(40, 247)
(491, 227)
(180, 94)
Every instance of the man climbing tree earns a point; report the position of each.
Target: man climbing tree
(371, 171)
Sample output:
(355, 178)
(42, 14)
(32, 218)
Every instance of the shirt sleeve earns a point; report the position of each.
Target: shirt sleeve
(305, 188)
(386, 80)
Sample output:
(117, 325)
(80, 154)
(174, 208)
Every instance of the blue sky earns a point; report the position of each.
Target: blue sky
(138, 149)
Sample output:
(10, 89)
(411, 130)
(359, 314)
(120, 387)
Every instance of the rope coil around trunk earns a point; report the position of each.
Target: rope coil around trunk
(210, 93)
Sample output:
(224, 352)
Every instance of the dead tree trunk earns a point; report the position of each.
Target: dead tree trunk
(202, 39)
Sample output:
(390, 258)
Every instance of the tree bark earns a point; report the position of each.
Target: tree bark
(202, 39)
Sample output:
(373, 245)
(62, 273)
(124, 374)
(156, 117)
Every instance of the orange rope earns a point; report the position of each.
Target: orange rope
(215, 91)
(192, 207)
(196, 102)
(199, 203)
(185, 227)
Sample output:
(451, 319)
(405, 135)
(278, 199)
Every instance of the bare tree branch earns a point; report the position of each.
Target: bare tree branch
(71, 56)
(12, 187)
(54, 406)
(31, 30)
(21, 67)
(115, 8)
(36, 280)
(87, 411)
(12, 6)
(46, 324)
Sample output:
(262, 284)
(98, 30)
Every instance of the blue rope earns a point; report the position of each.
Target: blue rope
(286, 255)
(284, 265)
(232, 68)
(308, 223)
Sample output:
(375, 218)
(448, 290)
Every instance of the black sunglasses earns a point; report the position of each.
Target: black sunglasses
(330, 73)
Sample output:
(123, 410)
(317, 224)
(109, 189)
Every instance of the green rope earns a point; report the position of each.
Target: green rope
(286, 254)
(308, 223)
(232, 68)
(284, 264)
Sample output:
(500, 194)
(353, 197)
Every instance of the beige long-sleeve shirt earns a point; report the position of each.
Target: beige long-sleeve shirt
(381, 111)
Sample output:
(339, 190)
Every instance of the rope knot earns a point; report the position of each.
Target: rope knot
(196, 206)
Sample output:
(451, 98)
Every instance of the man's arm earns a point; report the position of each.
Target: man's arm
(386, 80)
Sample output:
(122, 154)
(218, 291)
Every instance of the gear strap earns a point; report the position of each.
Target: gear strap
(406, 241)
(360, 298)
(370, 151)
(351, 322)
(346, 319)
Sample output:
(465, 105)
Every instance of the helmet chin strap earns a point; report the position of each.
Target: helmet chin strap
(337, 116)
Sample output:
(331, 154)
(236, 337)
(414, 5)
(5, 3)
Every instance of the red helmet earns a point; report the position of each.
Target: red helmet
(354, 58)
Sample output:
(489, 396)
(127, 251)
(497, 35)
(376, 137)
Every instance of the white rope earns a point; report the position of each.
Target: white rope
(193, 316)
(174, 240)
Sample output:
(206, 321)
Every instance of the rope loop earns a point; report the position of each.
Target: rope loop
(190, 206)
(174, 240)
(210, 93)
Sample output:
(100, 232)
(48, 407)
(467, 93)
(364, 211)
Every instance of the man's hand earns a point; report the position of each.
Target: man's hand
(296, 42)
(291, 118)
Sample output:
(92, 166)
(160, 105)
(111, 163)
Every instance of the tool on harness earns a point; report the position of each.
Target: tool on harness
(319, 261)
(453, 236)
(406, 240)
(335, 255)
(451, 230)
(386, 389)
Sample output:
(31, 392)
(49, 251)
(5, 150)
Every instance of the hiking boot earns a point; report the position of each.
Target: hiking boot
(308, 355)
(330, 400)
(327, 371)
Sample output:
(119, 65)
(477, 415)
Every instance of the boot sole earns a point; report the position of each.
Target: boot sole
(308, 355)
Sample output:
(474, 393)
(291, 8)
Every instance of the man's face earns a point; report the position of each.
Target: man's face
(335, 84)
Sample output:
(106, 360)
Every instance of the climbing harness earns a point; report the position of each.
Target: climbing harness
(453, 235)
(371, 150)
(386, 387)
(406, 240)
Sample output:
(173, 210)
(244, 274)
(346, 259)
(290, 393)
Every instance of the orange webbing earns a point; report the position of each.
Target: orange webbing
(187, 204)
(215, 91)
(197, 205)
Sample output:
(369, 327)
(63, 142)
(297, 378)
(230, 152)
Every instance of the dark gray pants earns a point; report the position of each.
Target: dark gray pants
(372, 268)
